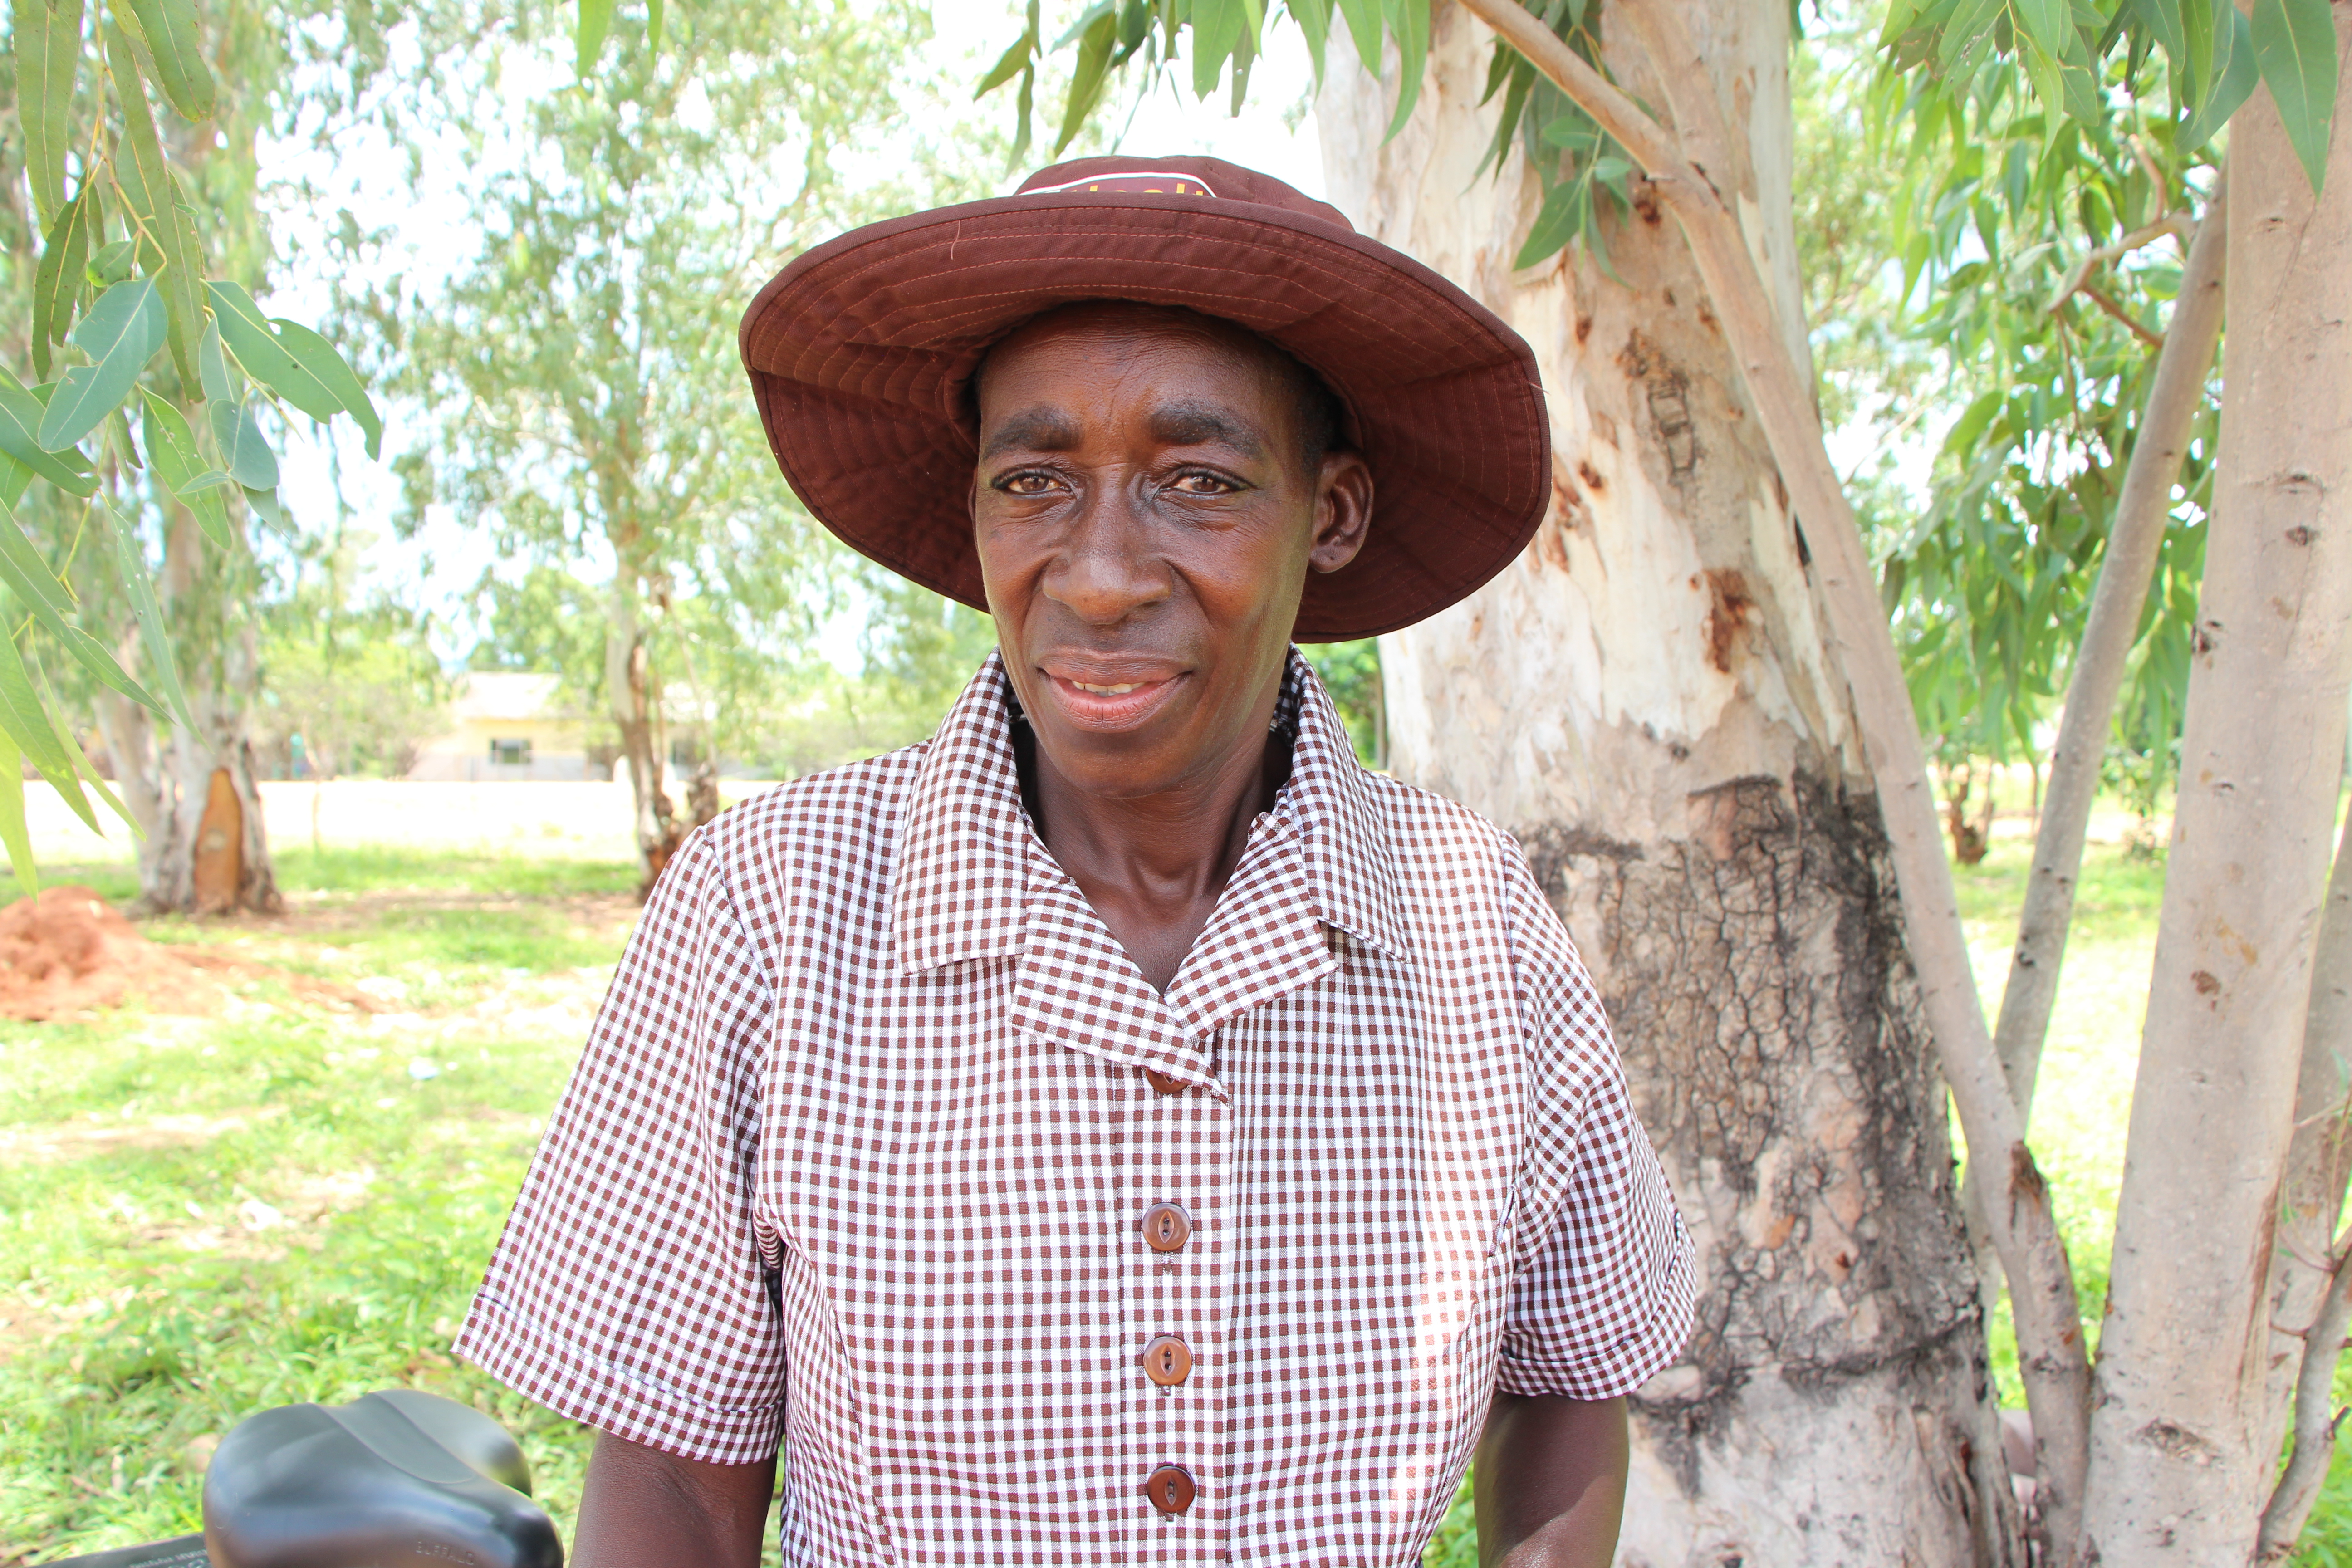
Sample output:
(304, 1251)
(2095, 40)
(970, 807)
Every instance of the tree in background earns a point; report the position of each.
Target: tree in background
(1687, 699)
(140, 167)
(581, 363)
(349, 684)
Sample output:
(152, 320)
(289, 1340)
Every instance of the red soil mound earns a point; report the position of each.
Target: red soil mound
(67, 951)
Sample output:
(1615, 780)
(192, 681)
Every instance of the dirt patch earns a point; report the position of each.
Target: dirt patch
(68, 952)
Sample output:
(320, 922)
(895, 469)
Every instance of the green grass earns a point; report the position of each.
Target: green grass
(205, 1217)
(2082, 1098)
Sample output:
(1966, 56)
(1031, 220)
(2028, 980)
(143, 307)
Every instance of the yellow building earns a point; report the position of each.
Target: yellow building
(508, 726)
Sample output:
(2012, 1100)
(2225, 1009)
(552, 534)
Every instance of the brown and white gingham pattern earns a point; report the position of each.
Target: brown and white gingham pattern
(858, 1152)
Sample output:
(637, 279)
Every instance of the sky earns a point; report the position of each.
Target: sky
(1275, 133)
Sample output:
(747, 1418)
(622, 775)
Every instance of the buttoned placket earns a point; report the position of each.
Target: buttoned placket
(1176, 1125)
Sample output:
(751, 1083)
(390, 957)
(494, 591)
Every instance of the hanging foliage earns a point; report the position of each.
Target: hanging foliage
(126, 325)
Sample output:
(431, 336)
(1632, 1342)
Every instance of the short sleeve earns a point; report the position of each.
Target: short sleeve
(627, 1290)
(1601, 1300)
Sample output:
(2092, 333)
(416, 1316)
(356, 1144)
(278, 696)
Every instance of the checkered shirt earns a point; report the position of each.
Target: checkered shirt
(857, 1154)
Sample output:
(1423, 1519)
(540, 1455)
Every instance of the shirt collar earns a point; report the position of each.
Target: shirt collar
(958, 879)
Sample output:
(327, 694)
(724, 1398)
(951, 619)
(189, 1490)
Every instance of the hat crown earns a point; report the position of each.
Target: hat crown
(1208, 179)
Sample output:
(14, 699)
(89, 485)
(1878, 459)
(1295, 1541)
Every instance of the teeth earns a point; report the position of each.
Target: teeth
(1108, 690)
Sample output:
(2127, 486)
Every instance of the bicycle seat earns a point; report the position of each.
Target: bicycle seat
(388, 1478)
(392, 1476)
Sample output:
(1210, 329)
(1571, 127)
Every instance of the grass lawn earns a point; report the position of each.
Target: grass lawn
(203, 1217)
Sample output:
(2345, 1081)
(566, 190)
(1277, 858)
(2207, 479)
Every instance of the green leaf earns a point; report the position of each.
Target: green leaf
(2164, 23)
(292, 361)
(1556, 222)
(114, 262)
(1011, 63)
(13, 831)
(1410, 21)
(139, 586)
(27, 721)
(2235, 77)
(1025, 105)
(1093, 71)
(2043, 21)
(1364, 26)
(1314, 19)
(596, 21)
(20, 417)
(318, 358)
(2203, 24)
(30, 578)
(121, 333)
(81, 761)
(56, 281)
(154, 194)
(48, 59)
(211, 365)
(1216, 33)
(2294, 43)
(175, 43)
(266, 506)
(172, 447)
(2080, 93)
(246, 456)
(1087, 18)
(1963, 28)
(14, 478)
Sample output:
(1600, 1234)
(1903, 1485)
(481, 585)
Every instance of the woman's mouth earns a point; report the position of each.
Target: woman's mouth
(1110, 704)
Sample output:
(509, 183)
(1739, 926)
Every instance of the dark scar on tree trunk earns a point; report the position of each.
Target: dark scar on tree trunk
(1754, 972)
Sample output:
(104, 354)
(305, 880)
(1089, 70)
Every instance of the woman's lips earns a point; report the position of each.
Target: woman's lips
(1110, 705)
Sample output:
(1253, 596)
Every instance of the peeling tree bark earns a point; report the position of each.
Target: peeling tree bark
(2182, 1440)
(1648, 697)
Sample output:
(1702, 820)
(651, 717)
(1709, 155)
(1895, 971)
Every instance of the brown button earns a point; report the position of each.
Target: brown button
(1167, 1228)
(1164, 1083)
(1168, 1360)
(1170, 1489)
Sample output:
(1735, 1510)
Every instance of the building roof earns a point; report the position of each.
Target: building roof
(493, 694)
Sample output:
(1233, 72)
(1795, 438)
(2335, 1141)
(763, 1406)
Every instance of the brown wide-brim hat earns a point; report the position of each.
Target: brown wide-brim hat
(862, 350)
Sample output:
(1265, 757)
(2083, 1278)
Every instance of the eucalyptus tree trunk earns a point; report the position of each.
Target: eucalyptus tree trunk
(633, 689)
(204, 849)
(2184, 1431)
(1644, 697)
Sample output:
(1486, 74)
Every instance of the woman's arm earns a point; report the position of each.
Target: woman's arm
(1551, 1484)
(644, 1509)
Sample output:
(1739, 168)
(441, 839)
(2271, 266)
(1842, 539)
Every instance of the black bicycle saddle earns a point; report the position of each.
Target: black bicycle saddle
(387, 1479)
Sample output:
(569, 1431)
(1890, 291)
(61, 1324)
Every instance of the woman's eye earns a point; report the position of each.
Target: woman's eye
(1026, 484)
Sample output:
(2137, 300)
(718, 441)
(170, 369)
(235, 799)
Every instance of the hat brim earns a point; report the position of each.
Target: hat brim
(861, 350)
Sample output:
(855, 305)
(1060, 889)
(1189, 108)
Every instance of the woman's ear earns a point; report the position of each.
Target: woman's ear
(1343, 510)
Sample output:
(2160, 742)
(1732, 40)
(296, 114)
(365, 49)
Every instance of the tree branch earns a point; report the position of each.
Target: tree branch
(2135, 538)
(2097, 296)
(2139, 239)
(2052, 1357)
(2315, 1423)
